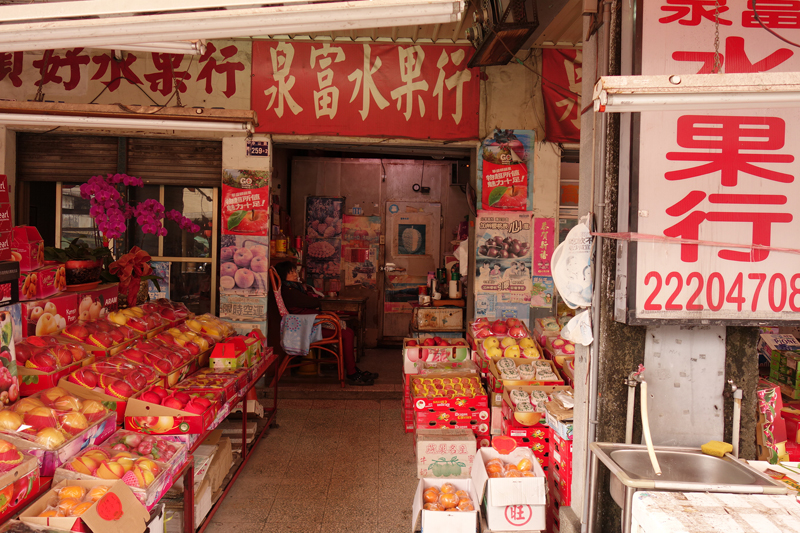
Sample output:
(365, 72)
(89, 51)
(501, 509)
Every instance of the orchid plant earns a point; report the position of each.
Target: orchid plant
(111, 213)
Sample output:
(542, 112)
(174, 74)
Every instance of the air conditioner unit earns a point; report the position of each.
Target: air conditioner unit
(499, 29)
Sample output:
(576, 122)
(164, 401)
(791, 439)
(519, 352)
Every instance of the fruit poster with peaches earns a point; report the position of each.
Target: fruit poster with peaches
(245, 202)
(505, 168)
(503, 254)
(244, 263)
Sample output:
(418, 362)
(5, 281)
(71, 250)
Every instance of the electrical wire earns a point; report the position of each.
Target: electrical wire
(758, 19)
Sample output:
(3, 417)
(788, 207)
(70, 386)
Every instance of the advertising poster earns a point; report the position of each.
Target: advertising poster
(495, 306)
(244, 265)
(544, 235)
(324, 258)
(324, 237)
(505, 170)
(503, 260)
(542, 293)
(245, 202)
(242, 308)
(360, 242)
(161, 269)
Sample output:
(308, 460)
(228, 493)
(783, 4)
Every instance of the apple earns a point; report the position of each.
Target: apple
(150, 397)
(227, 253)
(511, 351)
(160, 391)
(242, 257)
(481, 321)
(84, 377)
(41, 361)
(511, 322)
(442, 342)
(429, 342)
(228, 269)
(194, 407)
(244, 278)
(483, 332)
(259, 264)
(259, 251)
(507, 341)
(411, 343)
(173, 403)
(499, 328)
(77, 331)
(526, 342)
(490, 342)
(517, 332)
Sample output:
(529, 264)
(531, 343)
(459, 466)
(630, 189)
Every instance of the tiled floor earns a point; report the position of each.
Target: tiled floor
(331, 465)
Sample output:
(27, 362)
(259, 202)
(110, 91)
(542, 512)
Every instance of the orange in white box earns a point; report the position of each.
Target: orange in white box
(512, 503)
(102, 506)
(451, 518)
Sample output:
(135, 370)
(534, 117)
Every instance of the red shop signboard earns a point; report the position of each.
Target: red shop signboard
(723, 185)
(365, 90)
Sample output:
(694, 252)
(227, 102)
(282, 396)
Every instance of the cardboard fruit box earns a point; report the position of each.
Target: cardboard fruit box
(240, 376)
(32, 379)
(496, 383)
(42, 282)
(445, 521)
(416, 351)
(152, 418)
(535, 436)
(49, 316)
(117, 405)
(476, 420)
(27, 248)
(512, 504)
(118, 510)
(446, 393)
(104, 338)
(522, 420)
(445, 453)
(17, 485)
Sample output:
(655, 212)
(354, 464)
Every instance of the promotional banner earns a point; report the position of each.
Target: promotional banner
(244, 265)
(497, 306)
(360, 248)
(561, 87)
(722, 185)
(544, 236)
(360, 89)
(543, 291)
(503, 254)
(505, 170)
(323, 237)
(245, 202)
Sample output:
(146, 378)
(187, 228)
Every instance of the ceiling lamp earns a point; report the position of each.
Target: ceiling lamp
(696, 92)
(90, 23)
(152, 118)
(500, 28)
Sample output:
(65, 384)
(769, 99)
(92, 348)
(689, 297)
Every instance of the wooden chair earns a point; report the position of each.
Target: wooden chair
(331, 345)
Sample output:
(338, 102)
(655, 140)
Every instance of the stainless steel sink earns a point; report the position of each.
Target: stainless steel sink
(683, 470)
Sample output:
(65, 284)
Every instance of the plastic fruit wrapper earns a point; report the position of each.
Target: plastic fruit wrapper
(212, 326)
(102, 333)
(71, 501)
(466, 387)
(148, 446)
(48, 354)
(172, 311)
(499, 468)
(114, 376)
(10, 456)
(511, 327)
(136, 318)
(442, 369)
(446, 498)
(188, 340)
(103, 462)
(176, 399)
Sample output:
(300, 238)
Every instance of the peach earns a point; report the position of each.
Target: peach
(50, 438)
(74, 423)
(10, 421)
(259, 264)
(41, 417)
(228, 269)
(68, 403)
(242, 257)
(244, 278)
(27, 404)
(93, 410)
(84, 465)
(110, 470)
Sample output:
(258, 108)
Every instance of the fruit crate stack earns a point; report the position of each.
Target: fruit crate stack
(408, 407)
(451, 400)
(559, 478)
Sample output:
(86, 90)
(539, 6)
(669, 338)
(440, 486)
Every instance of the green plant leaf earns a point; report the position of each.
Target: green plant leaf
(235, 219)
(496, 194)
(8, 333)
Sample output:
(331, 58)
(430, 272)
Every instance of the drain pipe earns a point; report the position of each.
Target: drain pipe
(737, 417)
(598, 205)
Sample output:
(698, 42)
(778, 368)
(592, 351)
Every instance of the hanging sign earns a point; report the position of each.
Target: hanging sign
(384, 90)
(561, 87)
(503, 260)
(505, 167)
(724, 182)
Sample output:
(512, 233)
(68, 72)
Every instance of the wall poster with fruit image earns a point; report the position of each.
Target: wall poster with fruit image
(245, 202)
(324, 258)
(505, 168)
(503, 254)
(9, 384)
(543, 291)
(244, 263)
(324, 217)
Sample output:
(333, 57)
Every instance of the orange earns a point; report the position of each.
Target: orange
(433, 507)
(66, 504)
(97, 492)
(494, 467)
(462, 494)
(495, 474)
(430, 495)
(513, 473)
(524, 465)
(448, 488)
(511, 466)
(51, 513)
(528, 473)
(72, 491)
(80, 508)
(465, 505)
(448, 500)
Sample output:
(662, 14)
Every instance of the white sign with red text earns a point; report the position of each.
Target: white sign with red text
(727, 184)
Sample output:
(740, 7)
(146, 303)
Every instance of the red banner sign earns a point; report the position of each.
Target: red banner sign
(561, 87)
(420, 92)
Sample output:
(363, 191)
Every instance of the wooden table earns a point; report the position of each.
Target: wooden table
(349, 309)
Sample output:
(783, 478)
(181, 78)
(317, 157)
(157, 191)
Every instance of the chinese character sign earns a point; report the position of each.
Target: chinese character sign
(722, 185)
(365, 90)
(218, 78)
(503, 261)
(245, 202)
(544, 236)
(505, 168)
(561, 87)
